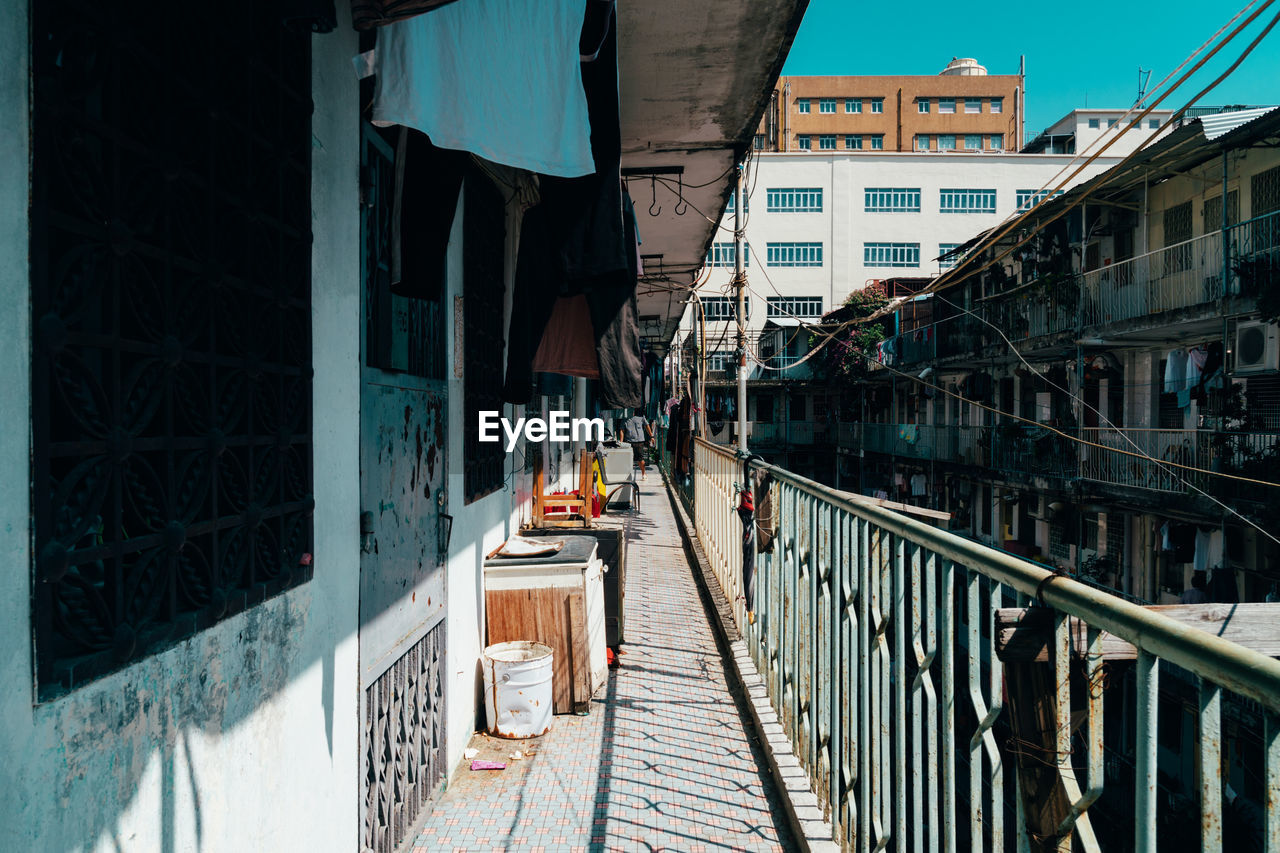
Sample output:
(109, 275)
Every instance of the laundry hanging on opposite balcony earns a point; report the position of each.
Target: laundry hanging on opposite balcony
(501, 79)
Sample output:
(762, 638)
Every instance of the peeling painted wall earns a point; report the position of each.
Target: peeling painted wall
(245, 736)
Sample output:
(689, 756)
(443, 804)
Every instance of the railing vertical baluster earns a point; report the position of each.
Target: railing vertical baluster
(850, 591)
(973, 580)
(917, 711)
(1210, 767)
(870, 819)
(947, 615)
(995, 698)
(1148, 672)
(931, 695)
(884, 574)
(1271, 790)
(838, 665)
(899, 722)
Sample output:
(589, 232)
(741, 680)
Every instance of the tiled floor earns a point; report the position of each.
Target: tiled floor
(664, 761)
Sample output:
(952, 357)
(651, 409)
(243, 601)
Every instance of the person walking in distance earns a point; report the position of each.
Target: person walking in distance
(638, 433)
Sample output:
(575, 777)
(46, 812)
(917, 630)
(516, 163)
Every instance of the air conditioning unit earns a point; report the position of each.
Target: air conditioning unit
(1257, 347)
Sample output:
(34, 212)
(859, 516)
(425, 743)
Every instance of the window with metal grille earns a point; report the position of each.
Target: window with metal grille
(793, 254)
(171, 296)
(724, 307)
(1059, 543)
(966, 201)
(826, 105)
(1264, 192)
(1117, 527)
(794, 200)
(725, 254)
(794, 306)
(1212, 211)
(483, 246)
(1177, 230)
(892, 199)
(1027, 199)
(891, 254)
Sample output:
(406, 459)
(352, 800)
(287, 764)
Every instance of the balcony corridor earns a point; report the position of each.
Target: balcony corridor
(664, 761)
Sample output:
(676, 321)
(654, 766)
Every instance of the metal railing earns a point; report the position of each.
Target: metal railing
(1179, 276)
(1165, 460)
(789, 432)
(875, 636)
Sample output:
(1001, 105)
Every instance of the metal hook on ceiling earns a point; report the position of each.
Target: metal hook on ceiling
(681, 201)
(653, 187)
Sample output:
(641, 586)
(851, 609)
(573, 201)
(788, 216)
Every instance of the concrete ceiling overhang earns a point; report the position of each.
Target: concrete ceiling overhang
(695, 79)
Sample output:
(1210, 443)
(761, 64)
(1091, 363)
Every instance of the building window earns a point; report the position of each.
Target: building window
(723, 307)
(746, 205)
(997, 142)
(802, 104)
(827, 142)
(826, 105)
(722, 254)
(853, 143)
(877, 142)
(1028, 199)
(967, 201)
(803, 142)
(892, 200)
(719, 360)
(973, 142)
(794, 200)
(171, 414)
(922, 105)
(922, 142)
(974, 105)
(877, 105)
(1111, 123)
(946, 105)
(853, 105)
(997, 105)
(1094, 124)
(758, 142)
(891, 254)
(945, 262)
(1153, 123)
(947, 142)
(794, 306)
(793, 254)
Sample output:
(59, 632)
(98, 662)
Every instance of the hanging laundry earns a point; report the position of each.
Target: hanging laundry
(919, 486)
(367, 14)
(1197, 357)
(427, 182)
(566, 348)
(1200, 561)
(1175, 371)
(522, 106)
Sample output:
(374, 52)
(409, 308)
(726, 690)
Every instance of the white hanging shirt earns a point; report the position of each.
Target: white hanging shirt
(501, 79)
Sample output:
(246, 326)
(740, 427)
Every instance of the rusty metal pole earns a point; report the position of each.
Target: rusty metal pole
(740, 285)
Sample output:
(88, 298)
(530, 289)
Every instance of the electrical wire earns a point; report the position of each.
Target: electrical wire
(952, 276)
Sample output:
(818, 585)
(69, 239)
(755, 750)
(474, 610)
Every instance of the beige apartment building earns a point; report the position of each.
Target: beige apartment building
(963, 109)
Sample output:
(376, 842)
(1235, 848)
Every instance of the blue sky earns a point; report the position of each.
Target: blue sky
(1085, 50)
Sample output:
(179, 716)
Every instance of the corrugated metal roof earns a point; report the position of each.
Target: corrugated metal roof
(1220, 124)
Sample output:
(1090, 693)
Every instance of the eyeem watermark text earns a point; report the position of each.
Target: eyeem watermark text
(558, 427)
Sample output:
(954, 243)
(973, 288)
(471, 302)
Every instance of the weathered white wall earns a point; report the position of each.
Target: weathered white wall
(245, 736)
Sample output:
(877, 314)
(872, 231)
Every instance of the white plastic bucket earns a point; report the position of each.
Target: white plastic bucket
(517, 689)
